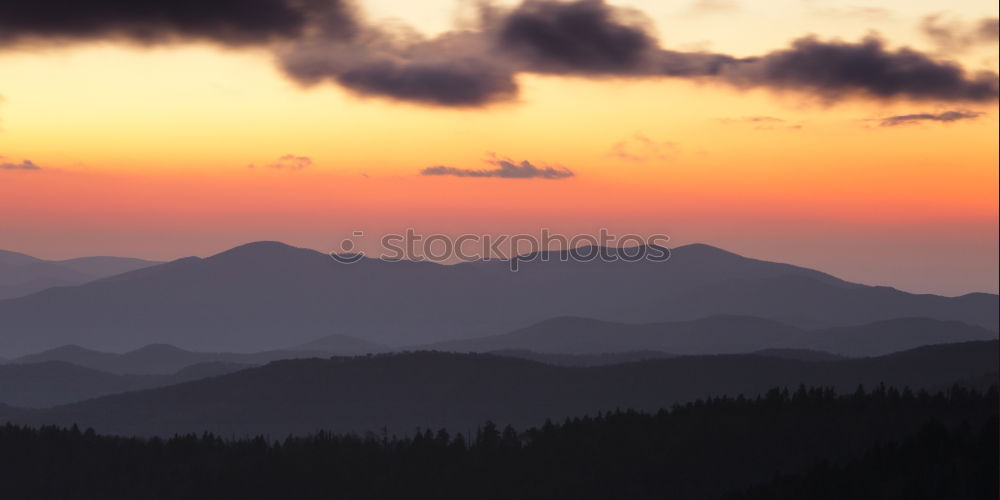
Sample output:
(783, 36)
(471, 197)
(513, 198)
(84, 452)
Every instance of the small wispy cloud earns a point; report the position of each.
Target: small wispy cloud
(758, 119)
(954, 35)
(858, 13)
(945, 117)
(640, 148)
(713, 6)
(23, 165)
(288, 162)
(763, 122)
(505, 169)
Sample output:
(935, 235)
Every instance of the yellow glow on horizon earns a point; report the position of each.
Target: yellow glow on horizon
(200, 112)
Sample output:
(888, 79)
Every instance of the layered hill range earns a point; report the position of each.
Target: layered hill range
(72, 373)
(22, 274)
(69, 374)
(263, 296)
(398, 393)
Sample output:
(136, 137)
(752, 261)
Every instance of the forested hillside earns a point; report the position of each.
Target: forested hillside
(699, 450)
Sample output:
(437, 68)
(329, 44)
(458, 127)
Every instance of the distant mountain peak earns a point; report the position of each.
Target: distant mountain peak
(71, 353)
(16, 258)
(262, 250)
(703, 248)
(158, 348)
(568, 320)
(259, 246)
(69, 348)
(22, 275)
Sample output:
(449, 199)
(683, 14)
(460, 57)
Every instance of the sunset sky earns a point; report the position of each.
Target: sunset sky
(147, 137)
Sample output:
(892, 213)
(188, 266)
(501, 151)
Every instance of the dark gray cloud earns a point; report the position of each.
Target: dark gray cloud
(454, 69)
(945, 117)
(592, 37)
(585, 36)
(833, 70)
(234, 22)
(505, 169)
(952, 35)
(462, 82)
(477, 67)
(318, 41)
(24, 165)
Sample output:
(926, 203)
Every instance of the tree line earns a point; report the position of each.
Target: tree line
(783, 444)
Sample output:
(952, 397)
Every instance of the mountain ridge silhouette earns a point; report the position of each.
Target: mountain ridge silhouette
(400, 392)
(269, 295)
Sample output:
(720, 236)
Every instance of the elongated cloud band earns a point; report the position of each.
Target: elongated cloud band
(327, 40)
(505, 169)
(231, 22)
(23, 165)
(945, 117)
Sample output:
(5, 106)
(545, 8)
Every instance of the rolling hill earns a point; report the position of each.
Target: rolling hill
(603, 359)
(162, 359)
(400, 392)
(720, 335)
(40, 385)
(883, 337)
(573, 335)
(268, 295)
(22, 274)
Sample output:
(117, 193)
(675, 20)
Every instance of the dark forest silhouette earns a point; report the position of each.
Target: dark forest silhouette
(699, 450)
(935, 463)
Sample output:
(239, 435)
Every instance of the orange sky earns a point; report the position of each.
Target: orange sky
(145, 152)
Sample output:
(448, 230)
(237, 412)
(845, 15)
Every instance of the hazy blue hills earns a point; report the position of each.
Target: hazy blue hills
(882, 337)
(799, 354)
(22, 274)
(400, 392)
(269, 295)
(572, 341)
(341, 345)
(72, 373)
(574, 335)
(721, 335)
(559, 359)
(51, 383)
(615, 358)
(102, 266)
(160, 359)
(73, 354)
